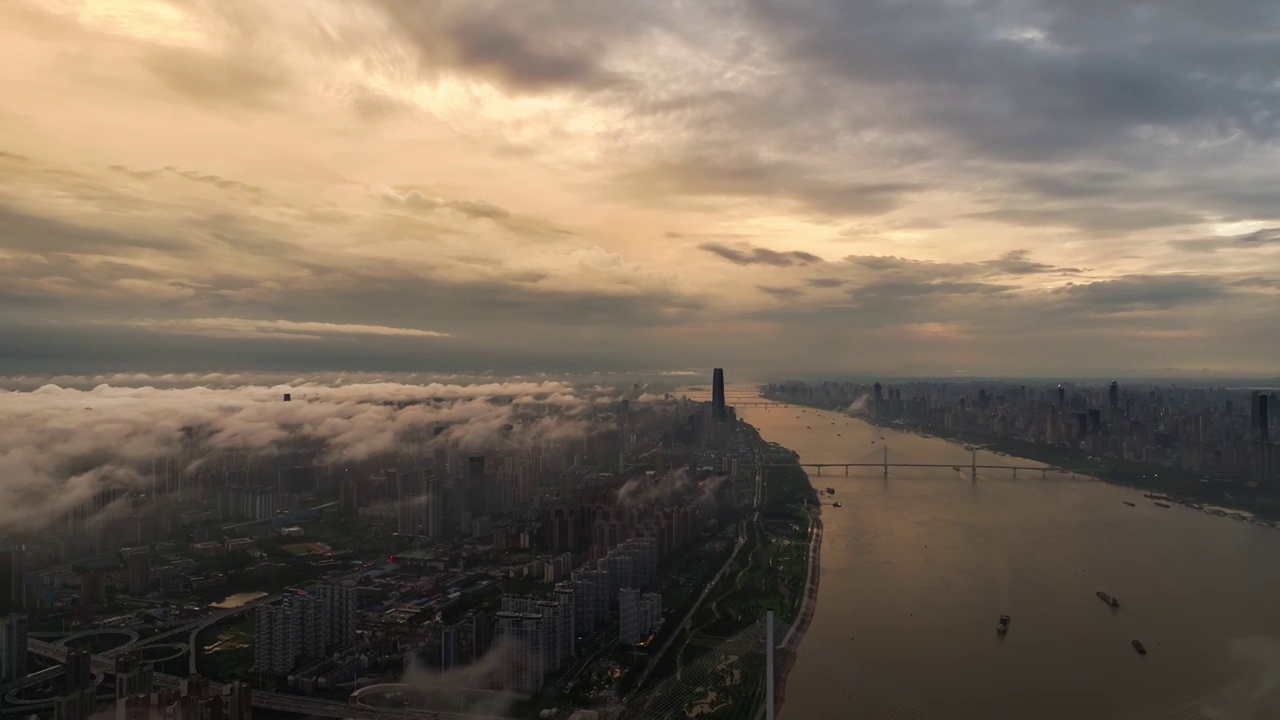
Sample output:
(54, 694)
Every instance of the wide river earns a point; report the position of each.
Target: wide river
(917, 569)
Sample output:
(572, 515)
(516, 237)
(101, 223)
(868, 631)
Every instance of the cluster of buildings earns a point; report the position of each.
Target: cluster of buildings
(194, 698)
(541, 635)
(304, 624)
(1221, 432)
(588, 519)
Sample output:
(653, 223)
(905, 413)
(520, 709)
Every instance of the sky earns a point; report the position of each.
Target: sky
(935, 187)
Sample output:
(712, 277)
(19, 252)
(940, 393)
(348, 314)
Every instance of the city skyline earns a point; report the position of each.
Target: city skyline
(390, 186)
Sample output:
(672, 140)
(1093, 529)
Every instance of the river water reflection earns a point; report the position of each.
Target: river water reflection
(917, 569)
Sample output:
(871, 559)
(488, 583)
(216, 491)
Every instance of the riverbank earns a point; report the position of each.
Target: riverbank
(789, 648)
(1175, 484)
(774, 567)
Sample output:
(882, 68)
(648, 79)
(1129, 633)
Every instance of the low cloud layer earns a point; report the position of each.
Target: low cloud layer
(58, 446)
(673, 486)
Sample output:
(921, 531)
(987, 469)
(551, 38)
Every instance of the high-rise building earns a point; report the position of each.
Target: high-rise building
(13, 571)
(304, 624)
(13, 647)
(630, 630)
(340, 612)
(481, 634)
(598, 579)
(1062, 398)
(651, 611)
(449, 647)
(566, 621)
(79, 669)
(74, 704)
(137, 563)
(1261, 416)
(524, 669)
(133, 679)
(237, 701)
(644, 554)
(620, 569)
(93, 588)
(477, 490)
(274, 640)
(718, 411)
(584, 603)
(557, 639)
(435, 506)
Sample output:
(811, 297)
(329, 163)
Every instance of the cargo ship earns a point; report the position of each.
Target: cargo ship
(1003, 626)
(1112, 602)
(1138, 646)
(1161, 505)
(1126, 502)
(831, 491)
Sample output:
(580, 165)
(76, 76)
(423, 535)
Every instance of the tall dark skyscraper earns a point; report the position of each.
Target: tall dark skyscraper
(476, 486)
(1113, 395)
(79, 669)
(1062, 398)
(13, 590)
(718, 411)
(1262, 414)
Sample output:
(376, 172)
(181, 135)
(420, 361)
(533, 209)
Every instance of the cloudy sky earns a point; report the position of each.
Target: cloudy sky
(909, 186)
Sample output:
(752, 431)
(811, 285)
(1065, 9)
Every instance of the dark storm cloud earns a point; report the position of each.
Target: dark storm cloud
(747, 254)
(1038, 79)
(529, 46)
(1134, 99)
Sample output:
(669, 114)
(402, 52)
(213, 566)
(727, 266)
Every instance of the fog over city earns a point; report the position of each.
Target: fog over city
(58, 446)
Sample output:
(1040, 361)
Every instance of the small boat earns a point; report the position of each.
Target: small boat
(838, 504)
(1138, 646)
(831, 491)
(1161, 505)
(1003, 626)
(1126, 502)
(1113, 602)
(956, 468)
(808, 427)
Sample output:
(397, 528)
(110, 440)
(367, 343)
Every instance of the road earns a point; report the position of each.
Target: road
(314, 707)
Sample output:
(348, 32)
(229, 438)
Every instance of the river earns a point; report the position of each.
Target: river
(917, 569)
